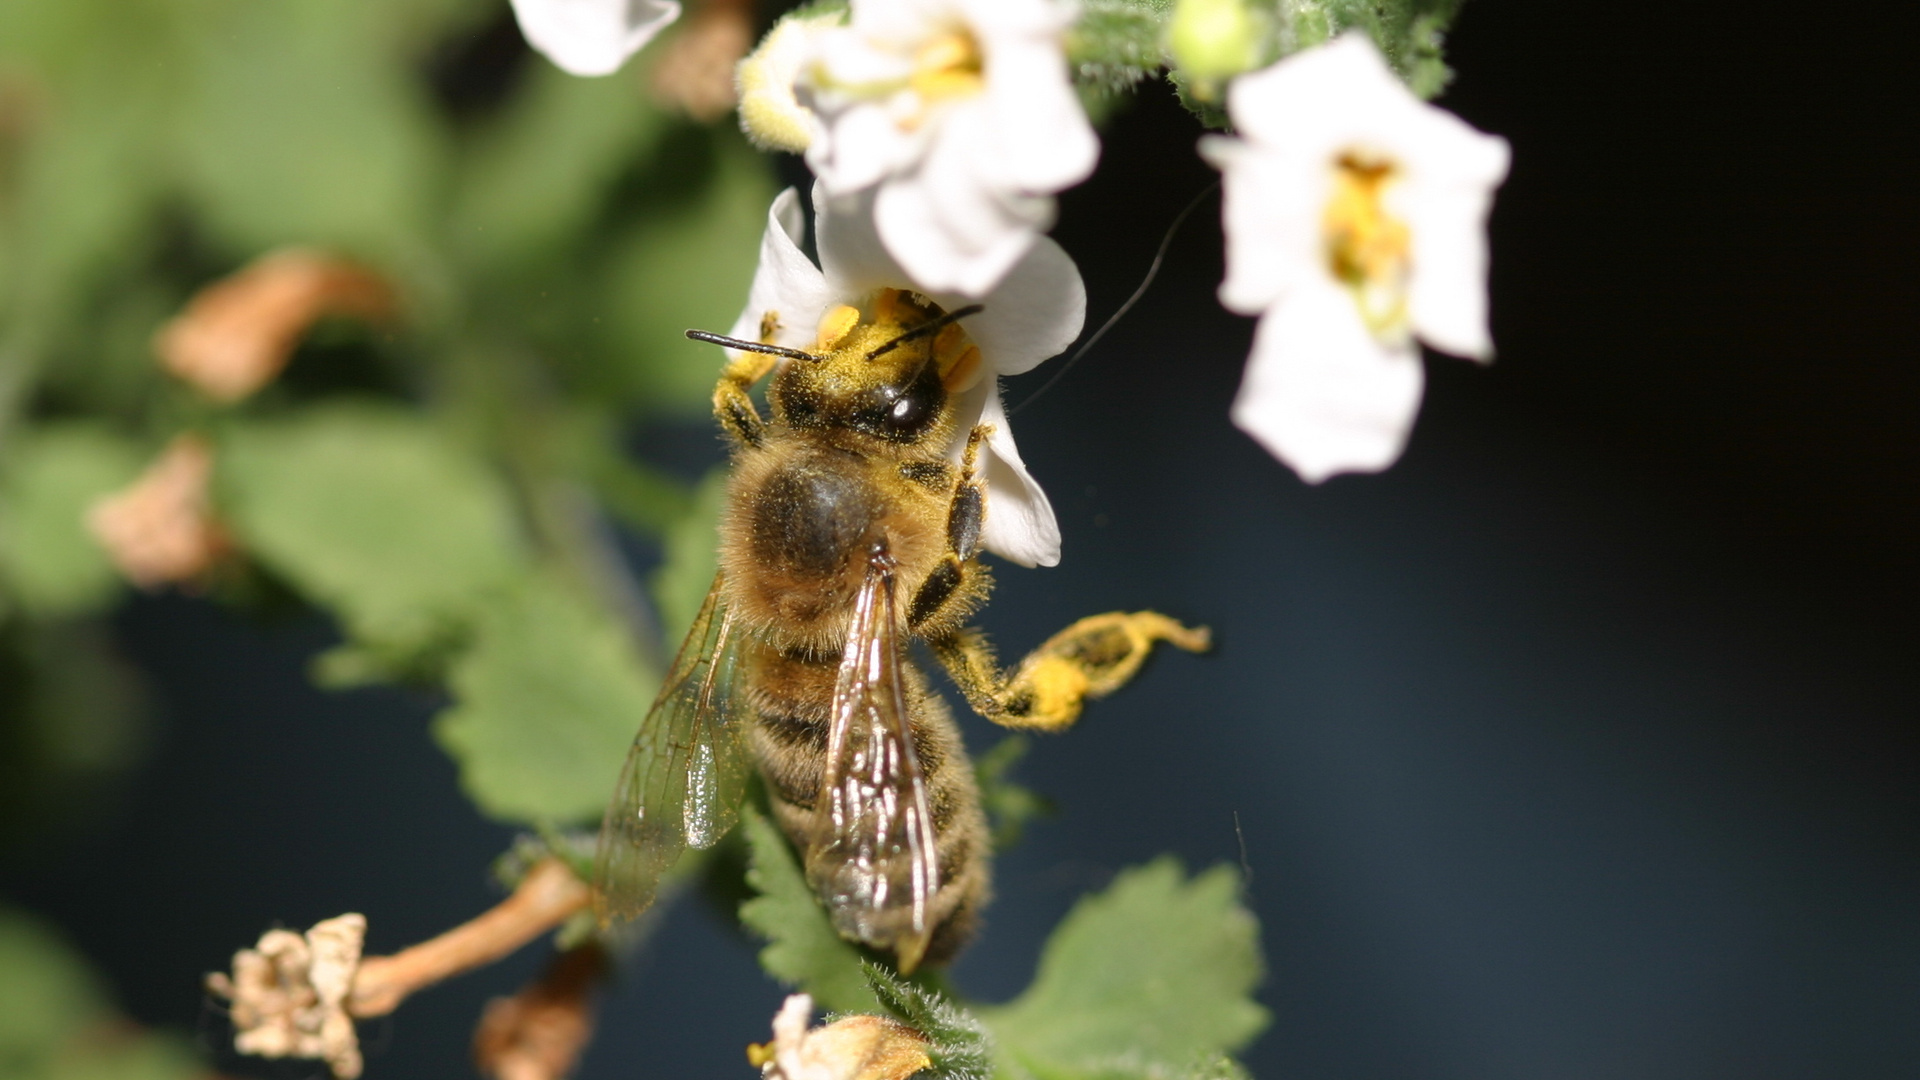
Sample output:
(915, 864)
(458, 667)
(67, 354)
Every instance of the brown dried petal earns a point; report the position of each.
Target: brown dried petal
(695, 70)
(161, 529)
(237, 333)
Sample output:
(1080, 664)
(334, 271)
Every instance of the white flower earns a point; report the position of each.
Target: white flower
(959, 116)
(1356, 222)
(592, 37)
(1035, 312)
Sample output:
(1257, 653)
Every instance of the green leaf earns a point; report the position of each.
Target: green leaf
(803, 950)
(56, 1022)
(1152, 977)
(692, 556)
(1117, 43)
(371, 512)
(51, 563)
(686, 262)
(299, 129)
(958, 1045)
(1009, 805)
(1408, 32)
(540, 177)
(548, 700)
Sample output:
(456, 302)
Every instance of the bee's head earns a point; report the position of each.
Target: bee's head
(885, 370)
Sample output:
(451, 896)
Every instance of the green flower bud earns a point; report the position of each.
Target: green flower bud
(1214, 40)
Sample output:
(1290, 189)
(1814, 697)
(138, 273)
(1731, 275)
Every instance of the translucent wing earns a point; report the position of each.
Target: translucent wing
(684, 778)
(872, 856)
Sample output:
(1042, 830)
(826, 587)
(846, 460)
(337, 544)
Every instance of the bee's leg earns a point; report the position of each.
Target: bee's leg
(1090, 659)
(956, 583)
(731, 404)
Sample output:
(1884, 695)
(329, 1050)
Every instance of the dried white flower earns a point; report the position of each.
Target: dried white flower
(289, 994)
(851, 1048)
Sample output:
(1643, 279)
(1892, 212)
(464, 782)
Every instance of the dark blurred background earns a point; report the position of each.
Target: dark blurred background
(1580, 744)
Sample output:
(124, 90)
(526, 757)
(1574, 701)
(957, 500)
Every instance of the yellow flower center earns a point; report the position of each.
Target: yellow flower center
(1368, 249)
(949, 66)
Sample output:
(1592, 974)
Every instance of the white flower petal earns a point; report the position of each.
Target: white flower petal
(851, 254)
(965, 173)
(1035, 313)
(786, 283)
(1321, 394)
(1020, 525)
(951, 235)
(1446, 197)
(592, 37)
(1042, 140)
(1270, 208)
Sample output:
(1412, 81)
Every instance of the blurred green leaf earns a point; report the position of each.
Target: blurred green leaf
(692, 556)
(685, 263)
(54, 473)
(1009, 805)
(371, 512)
(803, 950)
(56, 1023)
(299, 129)
(71, 719)
(540, 177)
(1153, 977)
(548, 700)
(46, 993)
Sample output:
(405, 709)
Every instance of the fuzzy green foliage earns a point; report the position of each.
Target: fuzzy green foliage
(1009, 805)
(803, 950)
(51, 565)
(56, 1022)
(373, 512)
(1116, 44)
(957, 1043)
(547, 701)
(1151, 978)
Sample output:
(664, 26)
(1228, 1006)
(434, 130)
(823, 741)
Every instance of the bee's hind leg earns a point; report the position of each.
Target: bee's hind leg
(1090, 659)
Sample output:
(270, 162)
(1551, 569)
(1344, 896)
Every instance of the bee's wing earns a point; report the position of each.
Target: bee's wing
(684, 778)
(872, 854)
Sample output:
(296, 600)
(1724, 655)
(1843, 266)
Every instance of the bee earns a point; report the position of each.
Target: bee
(847, 534)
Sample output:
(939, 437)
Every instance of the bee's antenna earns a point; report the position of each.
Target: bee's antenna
(752, 346)
(1153, 271)
(925, 328)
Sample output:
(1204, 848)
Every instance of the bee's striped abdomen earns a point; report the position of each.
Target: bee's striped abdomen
(791, 696)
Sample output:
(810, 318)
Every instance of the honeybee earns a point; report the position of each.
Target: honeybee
(847, 533)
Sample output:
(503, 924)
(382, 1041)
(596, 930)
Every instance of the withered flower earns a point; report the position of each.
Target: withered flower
(160, 529)
(237, 333)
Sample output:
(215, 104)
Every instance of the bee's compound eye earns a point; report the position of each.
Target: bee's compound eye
(907, 412)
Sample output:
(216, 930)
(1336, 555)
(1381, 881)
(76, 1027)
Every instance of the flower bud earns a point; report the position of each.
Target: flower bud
(1214, 40)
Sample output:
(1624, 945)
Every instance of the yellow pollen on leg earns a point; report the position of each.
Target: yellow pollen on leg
(836, 324)
(1368, 249)
(949, 66)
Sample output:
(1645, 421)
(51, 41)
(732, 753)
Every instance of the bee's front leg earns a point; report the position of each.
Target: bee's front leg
(732, 405)
(957, 583)
(1090, 659)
